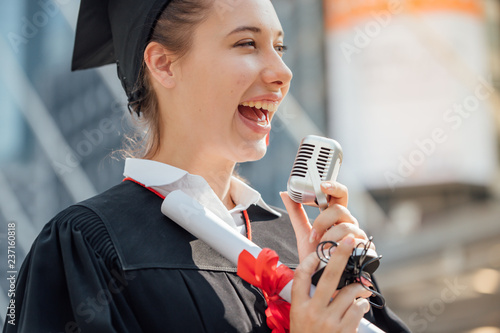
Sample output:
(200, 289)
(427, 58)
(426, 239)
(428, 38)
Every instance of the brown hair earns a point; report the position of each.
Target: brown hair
(174, 30)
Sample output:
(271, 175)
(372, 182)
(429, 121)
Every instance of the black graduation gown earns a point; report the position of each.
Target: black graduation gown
(115, 263)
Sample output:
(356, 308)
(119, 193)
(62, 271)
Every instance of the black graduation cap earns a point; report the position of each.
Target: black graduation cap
(116, 31)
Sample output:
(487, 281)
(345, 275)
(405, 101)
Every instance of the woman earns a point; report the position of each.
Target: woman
(207, 77)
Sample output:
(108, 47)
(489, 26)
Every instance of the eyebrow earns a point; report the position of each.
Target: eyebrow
(252, 29)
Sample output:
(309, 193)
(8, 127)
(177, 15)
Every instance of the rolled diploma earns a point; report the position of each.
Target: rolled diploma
(211, 229)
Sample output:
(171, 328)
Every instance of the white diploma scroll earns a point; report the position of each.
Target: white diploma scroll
(205, 225)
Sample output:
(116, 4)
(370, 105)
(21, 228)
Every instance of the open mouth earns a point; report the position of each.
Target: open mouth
(258, 112)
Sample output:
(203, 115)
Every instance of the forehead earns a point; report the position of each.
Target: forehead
(229, 14)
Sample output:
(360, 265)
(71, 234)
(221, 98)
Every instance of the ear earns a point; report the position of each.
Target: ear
(159, 62)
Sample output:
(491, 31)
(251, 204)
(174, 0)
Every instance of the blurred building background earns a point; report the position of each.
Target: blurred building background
(409, 88)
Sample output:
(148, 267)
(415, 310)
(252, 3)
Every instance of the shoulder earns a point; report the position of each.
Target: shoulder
(90, 223)
(128, 194)
(80, 227)
(117, 199)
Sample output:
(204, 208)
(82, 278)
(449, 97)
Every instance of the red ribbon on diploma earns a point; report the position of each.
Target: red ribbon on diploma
(263, 273)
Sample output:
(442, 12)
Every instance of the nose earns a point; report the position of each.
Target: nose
(276, 73)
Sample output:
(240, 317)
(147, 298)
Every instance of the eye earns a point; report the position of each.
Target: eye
(245, 43)
(281, 49)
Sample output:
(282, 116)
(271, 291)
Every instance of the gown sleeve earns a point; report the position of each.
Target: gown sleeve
(384, 318)
(67, 285)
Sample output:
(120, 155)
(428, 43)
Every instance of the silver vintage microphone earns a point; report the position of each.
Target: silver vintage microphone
(317, 160)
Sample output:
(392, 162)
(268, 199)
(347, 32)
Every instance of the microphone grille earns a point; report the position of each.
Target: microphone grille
(294, 195)
(305, 152)
(324, 160)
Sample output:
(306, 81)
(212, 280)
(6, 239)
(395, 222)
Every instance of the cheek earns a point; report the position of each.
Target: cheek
(234, 80)
(244, 78)
(220, 86)
(241, 71)
(230, 87)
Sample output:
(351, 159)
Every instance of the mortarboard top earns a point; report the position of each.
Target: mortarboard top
(116, 31)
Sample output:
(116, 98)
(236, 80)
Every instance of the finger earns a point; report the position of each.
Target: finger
(330, 278)
(302, 278)
(332, 215)
(345, 298)
(353, 315)
(338, 192)
(298, 216)
(361, 243)
(339, 231)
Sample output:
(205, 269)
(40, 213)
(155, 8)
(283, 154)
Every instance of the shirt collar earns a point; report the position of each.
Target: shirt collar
(166, 178)
(152, 173)
(244, 196)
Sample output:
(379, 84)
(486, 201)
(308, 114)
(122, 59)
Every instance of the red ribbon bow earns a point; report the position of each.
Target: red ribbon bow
(263, 273)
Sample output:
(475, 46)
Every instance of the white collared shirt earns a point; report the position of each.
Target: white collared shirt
(165, 178)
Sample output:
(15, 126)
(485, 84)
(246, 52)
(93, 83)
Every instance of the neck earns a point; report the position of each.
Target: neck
(216, 171)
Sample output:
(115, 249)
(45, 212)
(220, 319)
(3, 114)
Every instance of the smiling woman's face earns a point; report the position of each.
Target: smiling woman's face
(229, 84)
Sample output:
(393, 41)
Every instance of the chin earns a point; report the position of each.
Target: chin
(252, 151)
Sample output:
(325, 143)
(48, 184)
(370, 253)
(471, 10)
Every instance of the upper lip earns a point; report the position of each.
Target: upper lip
(274, 98)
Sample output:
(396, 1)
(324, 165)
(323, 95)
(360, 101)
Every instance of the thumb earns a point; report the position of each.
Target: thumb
(298, 216)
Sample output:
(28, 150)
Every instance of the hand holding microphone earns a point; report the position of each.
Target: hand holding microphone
(313, 182)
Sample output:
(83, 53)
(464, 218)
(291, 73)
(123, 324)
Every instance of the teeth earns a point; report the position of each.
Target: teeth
(269, 106)
(262, 121)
